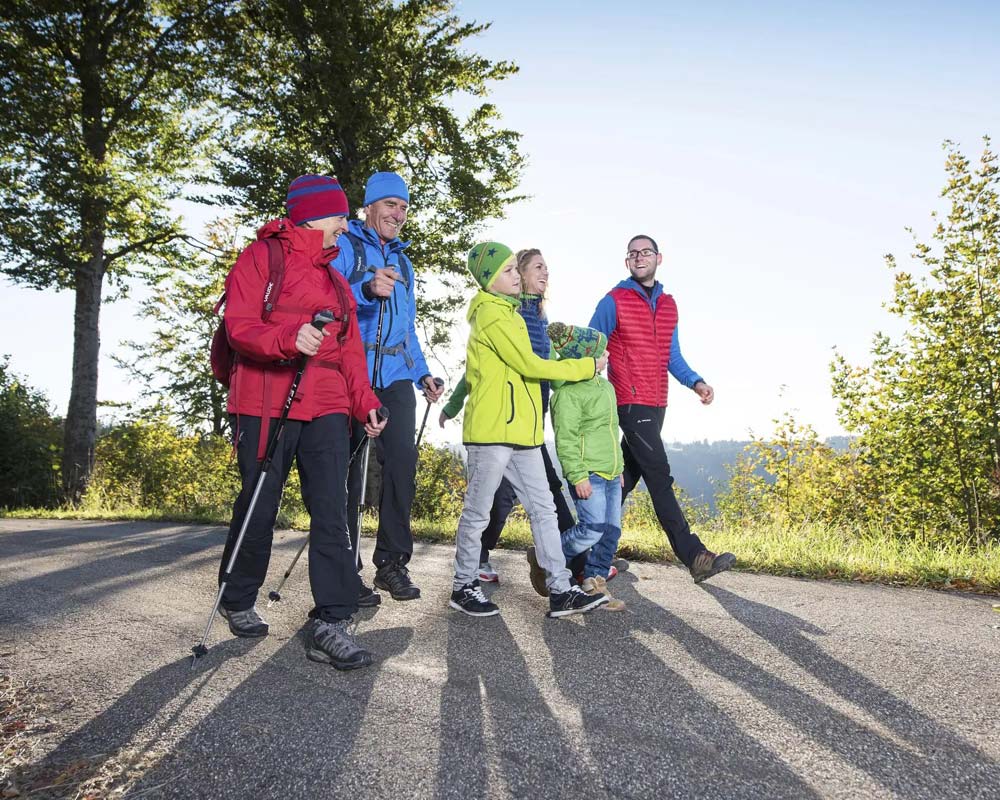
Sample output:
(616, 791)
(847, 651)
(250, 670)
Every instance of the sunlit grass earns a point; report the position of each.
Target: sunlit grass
(807, 551)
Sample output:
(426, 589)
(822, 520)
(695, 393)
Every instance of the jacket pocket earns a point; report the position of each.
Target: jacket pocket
(510, 386)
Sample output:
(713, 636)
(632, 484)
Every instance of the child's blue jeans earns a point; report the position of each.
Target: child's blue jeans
(599, 525)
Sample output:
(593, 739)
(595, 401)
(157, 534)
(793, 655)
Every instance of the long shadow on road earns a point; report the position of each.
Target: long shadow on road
(675, 740)
(934, 762)
(288, 730)
(493, 714)
(95, 576)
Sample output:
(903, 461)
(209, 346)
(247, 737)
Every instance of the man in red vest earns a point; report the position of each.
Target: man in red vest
(640, 322)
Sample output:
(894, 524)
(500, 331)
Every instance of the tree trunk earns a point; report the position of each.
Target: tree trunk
(81, 416)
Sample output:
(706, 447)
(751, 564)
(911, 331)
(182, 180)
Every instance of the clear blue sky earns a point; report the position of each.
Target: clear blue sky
(775, 150)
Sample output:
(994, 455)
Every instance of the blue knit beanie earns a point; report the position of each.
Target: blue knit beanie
(385, 184)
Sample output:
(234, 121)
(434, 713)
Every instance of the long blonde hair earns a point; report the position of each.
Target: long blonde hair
(523, 257)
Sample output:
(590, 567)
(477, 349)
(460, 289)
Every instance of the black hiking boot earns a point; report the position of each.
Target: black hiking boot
(471, 600)
(368, 597)
(575, 601)
(247, 624)
(706, 564)
(333, 643)
(395, 579)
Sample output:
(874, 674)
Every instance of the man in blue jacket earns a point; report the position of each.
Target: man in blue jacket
(640, 321)
(381, 277)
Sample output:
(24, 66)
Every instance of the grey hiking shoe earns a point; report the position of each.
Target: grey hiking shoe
(333, 643)
(706, 564)
(248, 623)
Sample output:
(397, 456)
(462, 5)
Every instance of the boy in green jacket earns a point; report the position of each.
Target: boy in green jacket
(502, 432)
(585, 417)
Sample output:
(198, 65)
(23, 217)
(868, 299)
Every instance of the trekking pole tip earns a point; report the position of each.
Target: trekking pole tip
(273, 597)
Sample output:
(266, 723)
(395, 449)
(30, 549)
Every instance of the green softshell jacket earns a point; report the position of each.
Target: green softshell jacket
(585, 417)
(502, 373)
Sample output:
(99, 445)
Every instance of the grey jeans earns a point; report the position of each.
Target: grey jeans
(526, 472)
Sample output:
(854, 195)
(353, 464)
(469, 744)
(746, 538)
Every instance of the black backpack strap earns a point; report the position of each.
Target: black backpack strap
(407, 270)
(360, 260)
(275, 276)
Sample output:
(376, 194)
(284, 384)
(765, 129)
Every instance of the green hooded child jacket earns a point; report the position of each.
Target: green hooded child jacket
(505, 400)
(585, 417)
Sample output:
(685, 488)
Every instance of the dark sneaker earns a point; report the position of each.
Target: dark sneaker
(575, 601)
(706, 564)
(395, 579)
(248, 624)
(471, 600)
(368, 597)
(537, 574)
(333, 643)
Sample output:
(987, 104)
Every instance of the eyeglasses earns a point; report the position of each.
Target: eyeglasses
(646, 252)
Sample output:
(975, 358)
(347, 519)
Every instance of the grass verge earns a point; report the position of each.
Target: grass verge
(805, 551)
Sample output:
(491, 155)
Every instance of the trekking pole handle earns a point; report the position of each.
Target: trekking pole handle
(382, 413)
(439, 383)
(322, 319)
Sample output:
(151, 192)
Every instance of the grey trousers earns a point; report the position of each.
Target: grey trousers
(526, 472)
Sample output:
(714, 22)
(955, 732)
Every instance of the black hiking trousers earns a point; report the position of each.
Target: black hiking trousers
(396, 452)
(646, 458)
(320, 448)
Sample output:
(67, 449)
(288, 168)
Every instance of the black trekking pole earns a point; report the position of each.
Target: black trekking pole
(439, 383)
(377, 361)
(274, 595)
(321, 320)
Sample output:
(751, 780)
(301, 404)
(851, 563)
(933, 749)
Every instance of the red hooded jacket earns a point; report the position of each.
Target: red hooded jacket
(336, 378)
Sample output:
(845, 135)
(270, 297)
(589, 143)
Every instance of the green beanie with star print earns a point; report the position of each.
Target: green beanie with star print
(487, 260)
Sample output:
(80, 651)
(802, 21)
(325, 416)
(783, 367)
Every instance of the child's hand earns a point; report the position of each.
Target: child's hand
(621, 480)
(442, 419)
(601, 363)
(584, 489)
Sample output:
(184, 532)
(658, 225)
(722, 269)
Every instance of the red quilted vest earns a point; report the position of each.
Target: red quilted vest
(639, 347)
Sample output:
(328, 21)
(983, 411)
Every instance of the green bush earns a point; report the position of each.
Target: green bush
(30, 445)
(147, 464)
(441, 483)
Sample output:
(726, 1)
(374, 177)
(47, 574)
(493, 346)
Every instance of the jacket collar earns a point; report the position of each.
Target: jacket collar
(306, 241)
(362, 231)
(635, 286)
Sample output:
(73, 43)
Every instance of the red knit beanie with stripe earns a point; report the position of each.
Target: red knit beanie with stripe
(314, 197)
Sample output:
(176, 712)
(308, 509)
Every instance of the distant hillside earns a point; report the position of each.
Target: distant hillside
(699, 468)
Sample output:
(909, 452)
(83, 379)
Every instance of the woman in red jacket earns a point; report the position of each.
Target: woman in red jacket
(268, 345)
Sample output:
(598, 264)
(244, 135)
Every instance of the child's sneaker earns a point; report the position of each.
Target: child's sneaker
(618, 566)
(471, 600)
(537, 574)
(597, 585)
(575, 601)
(706, 564)
(487, 574)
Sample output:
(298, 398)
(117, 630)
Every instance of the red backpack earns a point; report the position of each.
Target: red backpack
(222, 355)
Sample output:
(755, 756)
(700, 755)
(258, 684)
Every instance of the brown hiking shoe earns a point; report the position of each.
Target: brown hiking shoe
(537, 574)
(598, 585)
(706, 564)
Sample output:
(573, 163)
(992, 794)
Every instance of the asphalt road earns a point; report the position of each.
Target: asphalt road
(746, 687)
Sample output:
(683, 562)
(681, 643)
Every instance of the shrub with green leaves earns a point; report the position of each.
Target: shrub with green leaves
(30, 444)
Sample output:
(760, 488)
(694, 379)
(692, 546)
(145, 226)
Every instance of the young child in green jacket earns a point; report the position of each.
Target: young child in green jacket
(502, 432)
(585, 417)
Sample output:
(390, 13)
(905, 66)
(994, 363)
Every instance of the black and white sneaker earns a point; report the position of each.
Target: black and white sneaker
(247, 623)
(575, 601)
(471, 600)
(333, 643)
